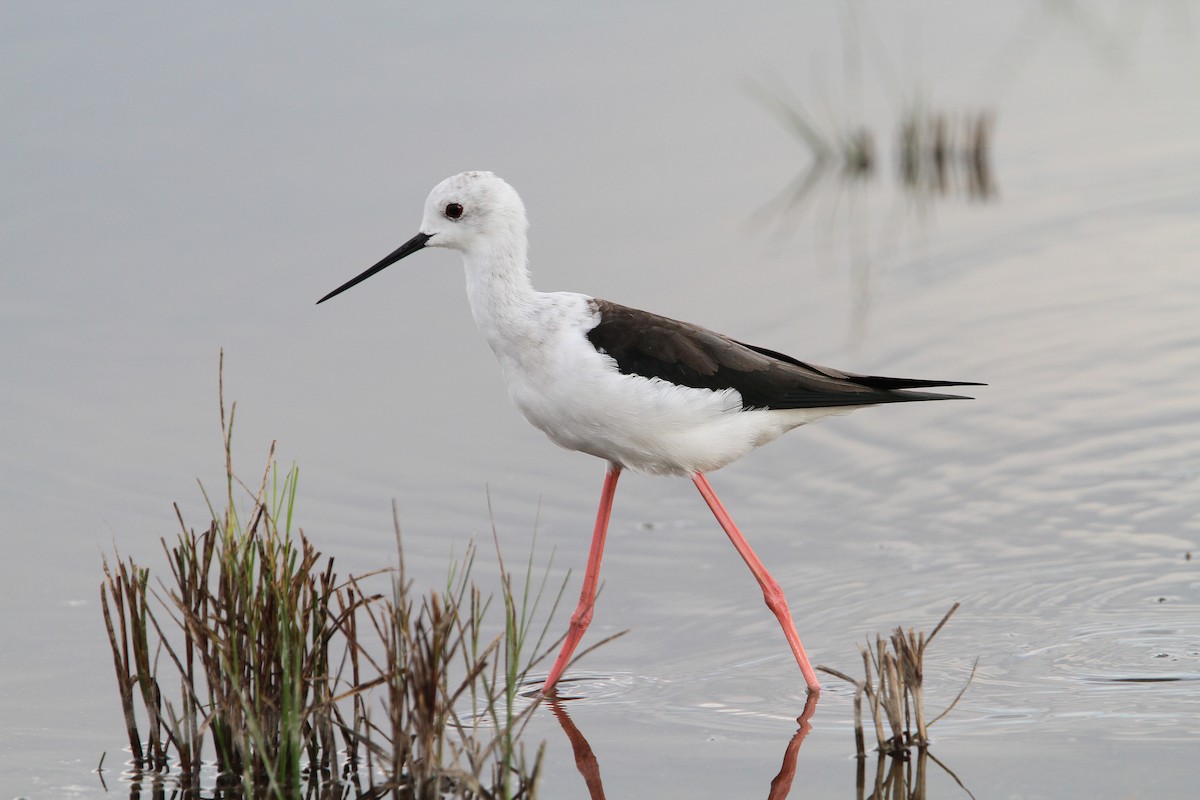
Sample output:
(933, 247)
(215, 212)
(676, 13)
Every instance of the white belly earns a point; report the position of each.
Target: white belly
(645, 424)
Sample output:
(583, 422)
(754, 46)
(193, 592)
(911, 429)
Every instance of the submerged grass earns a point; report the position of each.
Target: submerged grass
(251, 666)
(937, 153)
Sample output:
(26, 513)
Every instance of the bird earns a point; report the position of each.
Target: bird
(641, 391)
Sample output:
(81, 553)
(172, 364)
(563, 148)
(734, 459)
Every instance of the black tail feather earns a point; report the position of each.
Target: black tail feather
(886, 383)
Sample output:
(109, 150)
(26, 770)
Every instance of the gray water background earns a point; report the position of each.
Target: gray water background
(180, 180)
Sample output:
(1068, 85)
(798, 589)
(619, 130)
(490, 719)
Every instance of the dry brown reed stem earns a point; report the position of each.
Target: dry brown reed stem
(859, 689)
(894, 685)
(121, 589)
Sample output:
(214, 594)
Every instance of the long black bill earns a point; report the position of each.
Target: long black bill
(408, 248)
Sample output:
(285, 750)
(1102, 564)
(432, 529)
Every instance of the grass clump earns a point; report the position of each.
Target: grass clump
(252, 669)
(894, 686)
(433, 661)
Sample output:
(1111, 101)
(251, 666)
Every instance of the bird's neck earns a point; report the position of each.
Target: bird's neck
(501, 295)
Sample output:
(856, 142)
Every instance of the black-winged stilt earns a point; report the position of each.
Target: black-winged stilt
(641, 391)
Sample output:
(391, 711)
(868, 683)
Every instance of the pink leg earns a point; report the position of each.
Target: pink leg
(591, 579)
(771, 591)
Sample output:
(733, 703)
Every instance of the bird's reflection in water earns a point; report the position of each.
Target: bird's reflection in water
(589, 766)
(585, 759)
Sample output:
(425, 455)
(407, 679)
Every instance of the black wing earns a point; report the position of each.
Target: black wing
(658, 347)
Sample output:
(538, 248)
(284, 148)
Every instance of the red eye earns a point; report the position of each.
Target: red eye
(454, 210)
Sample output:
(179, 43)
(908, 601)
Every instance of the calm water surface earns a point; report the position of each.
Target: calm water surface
(177, 181)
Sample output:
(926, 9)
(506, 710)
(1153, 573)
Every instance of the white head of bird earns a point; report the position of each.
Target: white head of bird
(482, 217)
(472, 212)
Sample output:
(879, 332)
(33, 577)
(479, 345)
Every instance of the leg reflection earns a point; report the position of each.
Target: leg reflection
(589, 767)
(782, 785)
(585, 759)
